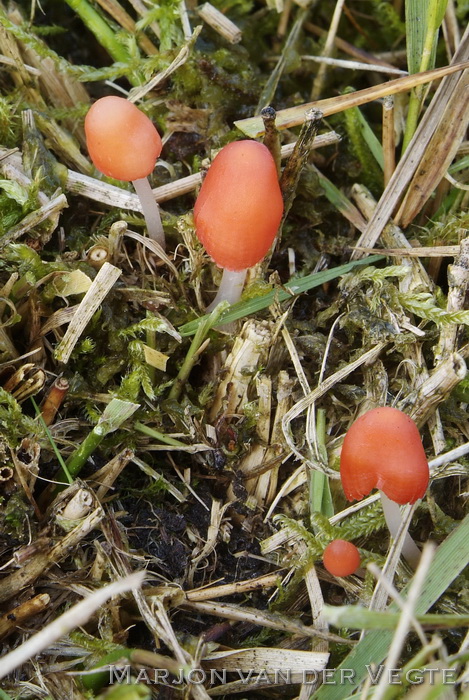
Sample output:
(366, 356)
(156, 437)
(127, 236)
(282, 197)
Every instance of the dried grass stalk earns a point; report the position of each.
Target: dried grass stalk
(458, 283)
(51, 210)
(78, 615)
(100, 288)
(221, 24)
(266, 455)
(439, 152)
(415, 152)
(268, 660)
(21, 613)
(49, 554)
(249, 350)
(262, 618)
(294, 116)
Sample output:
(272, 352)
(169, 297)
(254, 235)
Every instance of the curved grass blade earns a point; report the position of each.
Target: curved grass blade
(290, 289)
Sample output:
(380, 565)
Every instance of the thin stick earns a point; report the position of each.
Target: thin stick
(221, 24)
(18, 615)
(389, 140)
(355, 65)
(293, 116)
(327, 51)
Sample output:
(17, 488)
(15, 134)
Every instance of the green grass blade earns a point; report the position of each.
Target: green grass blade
(371, 139)
(99, 27)
(423, 20)
(60, 460)
(292, 288)
(357, 617)
(320, 491)
(451, 558)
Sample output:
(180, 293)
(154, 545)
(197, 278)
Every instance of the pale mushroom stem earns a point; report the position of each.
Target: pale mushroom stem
(392, 514)
(151, 210)
(231, 287)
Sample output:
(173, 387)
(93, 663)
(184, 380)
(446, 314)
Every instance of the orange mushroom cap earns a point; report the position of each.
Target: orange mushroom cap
(383, 449)
(341, 558)
(122, 142)
(240, 206)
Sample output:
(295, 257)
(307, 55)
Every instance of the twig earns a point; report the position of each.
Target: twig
(389, 141)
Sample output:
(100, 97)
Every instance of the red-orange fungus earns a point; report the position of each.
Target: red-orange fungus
(122, 142)
(341, 558)
(383, 449)
(240, 206)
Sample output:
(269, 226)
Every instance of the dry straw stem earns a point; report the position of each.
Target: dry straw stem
(18, 615)
(250, 349)
(267, 660)
(354, 65)
(413, 155)
(105, 477)
(221, 24)
(100, 288)
(294, 116)
(316, 600)
(388, 138)
(10, 62)
(458, 283)
(112, 196)
(117, 12)
(437, 251)
(421, 403)
(137, 93)
(393, 236)
(367, 357)
(257, 452)
(76, 616)
(261, 618)
(50, 210)
(261, 465)
(49, 554)
(211, 592)
(439, 152)
(318, 83)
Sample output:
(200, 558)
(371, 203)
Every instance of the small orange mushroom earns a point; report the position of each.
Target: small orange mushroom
(383, 449)
(341, 558)
(124, 144)
(238, 212)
